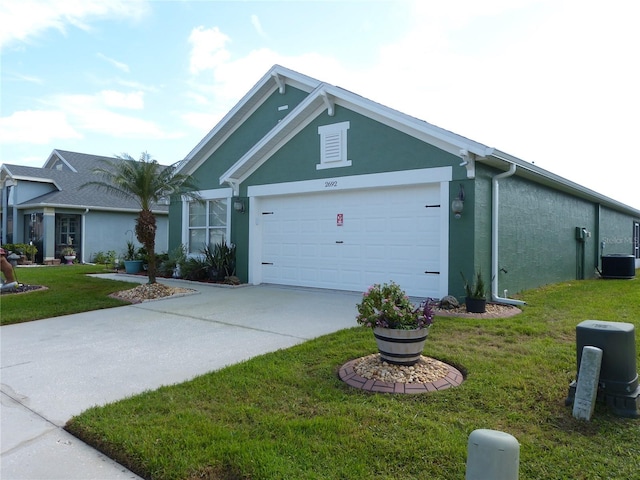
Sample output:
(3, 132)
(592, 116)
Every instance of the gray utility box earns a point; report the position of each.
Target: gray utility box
(618, 384)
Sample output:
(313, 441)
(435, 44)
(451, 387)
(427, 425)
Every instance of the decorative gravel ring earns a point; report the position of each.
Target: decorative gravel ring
(452, 378)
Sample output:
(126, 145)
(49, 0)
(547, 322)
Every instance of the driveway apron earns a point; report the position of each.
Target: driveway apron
(56, 368)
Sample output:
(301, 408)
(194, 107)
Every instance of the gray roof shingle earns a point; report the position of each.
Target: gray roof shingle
(68, 182)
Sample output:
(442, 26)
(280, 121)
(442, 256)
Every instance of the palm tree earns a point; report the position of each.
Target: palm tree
(147, 182)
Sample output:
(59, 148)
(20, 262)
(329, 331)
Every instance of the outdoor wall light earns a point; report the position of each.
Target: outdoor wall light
(238, 205)
(457, 205)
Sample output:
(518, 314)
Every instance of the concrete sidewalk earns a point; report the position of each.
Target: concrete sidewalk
(56, 368)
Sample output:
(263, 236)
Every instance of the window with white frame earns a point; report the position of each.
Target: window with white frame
(207, 223)
(333, 146)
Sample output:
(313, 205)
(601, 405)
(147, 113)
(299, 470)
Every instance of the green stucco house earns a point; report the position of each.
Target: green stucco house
(320, 187)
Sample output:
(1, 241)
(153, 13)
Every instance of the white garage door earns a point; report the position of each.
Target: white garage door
(348, 240)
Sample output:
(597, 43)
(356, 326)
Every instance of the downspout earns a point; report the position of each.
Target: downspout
(495, 203)
(82, 236)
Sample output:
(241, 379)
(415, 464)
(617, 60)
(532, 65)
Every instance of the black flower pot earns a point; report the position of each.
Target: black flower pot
(476, 305)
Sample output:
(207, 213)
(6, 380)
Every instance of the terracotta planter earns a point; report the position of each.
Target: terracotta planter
(476, 305)
(400, 347)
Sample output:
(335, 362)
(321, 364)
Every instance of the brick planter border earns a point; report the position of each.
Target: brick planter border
(348, 375)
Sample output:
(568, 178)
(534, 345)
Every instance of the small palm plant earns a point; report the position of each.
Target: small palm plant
(145, 181)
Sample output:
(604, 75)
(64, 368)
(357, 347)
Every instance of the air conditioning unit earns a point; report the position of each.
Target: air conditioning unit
(618, 383)
(618, 266)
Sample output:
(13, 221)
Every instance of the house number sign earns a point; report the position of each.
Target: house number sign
(340, 219)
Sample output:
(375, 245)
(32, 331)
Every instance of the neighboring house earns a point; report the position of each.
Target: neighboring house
(320, 187)
(46, 206)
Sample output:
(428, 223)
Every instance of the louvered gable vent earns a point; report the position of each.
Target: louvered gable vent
(333, 146)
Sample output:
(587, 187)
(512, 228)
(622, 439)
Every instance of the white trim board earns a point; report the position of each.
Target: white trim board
(388, 179)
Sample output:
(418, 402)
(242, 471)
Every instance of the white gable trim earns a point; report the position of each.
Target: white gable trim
(436, 136)
(53, 157)
(275, 79)
(290, 126)
(314, 104)
(372, 180)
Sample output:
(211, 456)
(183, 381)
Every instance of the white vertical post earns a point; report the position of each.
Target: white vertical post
(587, 388)
(492, 454)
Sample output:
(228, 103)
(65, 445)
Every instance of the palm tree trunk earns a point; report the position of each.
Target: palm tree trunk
(146, 235)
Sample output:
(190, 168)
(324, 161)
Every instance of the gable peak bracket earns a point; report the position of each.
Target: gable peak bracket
(329, 103)
(235, 186)
(279, 79)
(469, 162)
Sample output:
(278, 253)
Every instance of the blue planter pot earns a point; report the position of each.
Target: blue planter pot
(132, 266)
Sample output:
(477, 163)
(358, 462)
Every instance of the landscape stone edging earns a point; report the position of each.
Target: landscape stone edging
(348, 375)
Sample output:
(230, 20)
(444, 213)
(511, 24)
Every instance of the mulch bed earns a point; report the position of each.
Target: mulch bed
(23, 288)
(372, 374)
(494, 310)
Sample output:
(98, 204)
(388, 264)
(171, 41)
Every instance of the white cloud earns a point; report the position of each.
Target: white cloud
(19, 77)
(119, 65)
(21, 20)
(208, 49)
(197, 98)
(36, 127)
(552, 82)
(111, 98)
(255, 21)
(137, 86)
(201, 121)
(232, 79)
(68, 116)
(92, 113)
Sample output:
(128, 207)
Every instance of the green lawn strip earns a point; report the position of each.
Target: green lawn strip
(69, 290)
(287, 415)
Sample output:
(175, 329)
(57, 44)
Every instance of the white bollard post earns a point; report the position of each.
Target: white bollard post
(492, 454)
(588, 378)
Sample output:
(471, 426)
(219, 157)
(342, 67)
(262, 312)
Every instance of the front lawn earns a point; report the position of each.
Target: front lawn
(69, 290)
(286, 415)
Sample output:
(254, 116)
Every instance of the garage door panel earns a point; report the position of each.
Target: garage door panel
(290, 250)
(375, 226)
(271, 250)
(387, 234)
(375, 251)
(309, 274)
(329, 252)
(309, 251)
(404, 252)
(290, 273)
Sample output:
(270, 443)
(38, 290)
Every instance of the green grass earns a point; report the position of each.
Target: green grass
(286, 415)
(69, 290)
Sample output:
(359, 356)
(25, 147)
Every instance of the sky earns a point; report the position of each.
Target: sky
(552, 82)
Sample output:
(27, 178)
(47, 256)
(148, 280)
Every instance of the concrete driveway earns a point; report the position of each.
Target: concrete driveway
(56, 368)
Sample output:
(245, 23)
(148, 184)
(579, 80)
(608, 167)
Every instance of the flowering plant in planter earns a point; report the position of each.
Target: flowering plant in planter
(68, 252)
(388, 306)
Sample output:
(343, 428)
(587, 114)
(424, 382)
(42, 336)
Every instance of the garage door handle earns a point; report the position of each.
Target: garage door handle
(339, 241)
(267, 263)
(432, 273)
